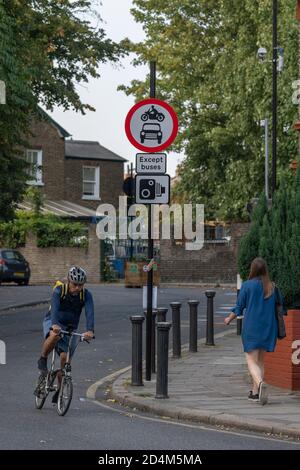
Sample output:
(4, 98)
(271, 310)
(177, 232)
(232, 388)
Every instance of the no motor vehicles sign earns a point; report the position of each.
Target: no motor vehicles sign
(151, 125)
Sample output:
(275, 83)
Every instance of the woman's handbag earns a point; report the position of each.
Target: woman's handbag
(279, 313)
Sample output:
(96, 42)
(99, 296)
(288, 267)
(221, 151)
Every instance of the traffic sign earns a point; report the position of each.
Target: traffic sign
(151, 125)
(128, 188)
(151, 163)
(152, 189)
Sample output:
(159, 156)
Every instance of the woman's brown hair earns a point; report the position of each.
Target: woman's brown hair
(259, 269)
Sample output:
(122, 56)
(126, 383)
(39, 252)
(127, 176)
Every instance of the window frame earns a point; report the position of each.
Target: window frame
(38, 181)
(96, 182)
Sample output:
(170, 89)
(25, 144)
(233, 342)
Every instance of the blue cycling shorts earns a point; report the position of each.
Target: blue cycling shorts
(62, 345)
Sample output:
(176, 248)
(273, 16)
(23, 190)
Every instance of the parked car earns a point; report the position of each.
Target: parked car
(13, 267)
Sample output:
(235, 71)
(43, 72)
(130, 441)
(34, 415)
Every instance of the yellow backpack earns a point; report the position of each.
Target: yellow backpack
(64, 291)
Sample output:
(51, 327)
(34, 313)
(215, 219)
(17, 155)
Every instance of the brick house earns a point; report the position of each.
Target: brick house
(74, 172)
(75, 177)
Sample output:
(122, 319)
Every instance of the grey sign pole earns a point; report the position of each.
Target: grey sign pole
(267, 158)
(274, 97)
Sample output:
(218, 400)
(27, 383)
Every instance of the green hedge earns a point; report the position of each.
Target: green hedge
(51, 231)
(275, 236)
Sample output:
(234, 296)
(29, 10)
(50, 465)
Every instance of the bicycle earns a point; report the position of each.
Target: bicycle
(46, 382)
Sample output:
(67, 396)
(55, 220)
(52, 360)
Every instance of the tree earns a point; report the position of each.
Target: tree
(278, 239)
(36, 197)
(289, 273)
(47, 49)
(208, 69)
(265, 243)
(250, 243)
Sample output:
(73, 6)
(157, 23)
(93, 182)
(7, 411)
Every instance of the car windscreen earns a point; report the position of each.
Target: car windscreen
(12, 255)
(151, 127)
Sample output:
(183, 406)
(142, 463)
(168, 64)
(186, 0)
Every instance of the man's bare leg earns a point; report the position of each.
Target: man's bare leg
(63, 360)
(49, 344)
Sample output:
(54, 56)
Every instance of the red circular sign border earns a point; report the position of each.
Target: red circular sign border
(144, 147)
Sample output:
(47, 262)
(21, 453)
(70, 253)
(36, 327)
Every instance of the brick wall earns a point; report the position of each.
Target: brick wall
(49, 264)
(216, 263)
(279, 368)
(46, 138)
(111, 182)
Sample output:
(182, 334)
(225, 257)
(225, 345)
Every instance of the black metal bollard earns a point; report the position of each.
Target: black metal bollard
(193, 324)
(137, 350)
(153, 341)
(210, 318)
(175, 306)
(162, 359)
(239, 320)
(161, 314)
(153, 338)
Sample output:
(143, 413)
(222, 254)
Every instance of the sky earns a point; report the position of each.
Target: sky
(106, 125)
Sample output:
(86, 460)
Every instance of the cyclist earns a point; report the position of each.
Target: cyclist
(64, 313)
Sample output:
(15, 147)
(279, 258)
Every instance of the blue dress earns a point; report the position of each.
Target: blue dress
(259, 324)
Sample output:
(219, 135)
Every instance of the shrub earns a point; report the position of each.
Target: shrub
(249, 245)
(51, 231)
(276, 238)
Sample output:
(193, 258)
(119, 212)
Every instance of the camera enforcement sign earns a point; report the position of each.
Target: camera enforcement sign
(152, 189)
(151, 163)
(151, 125)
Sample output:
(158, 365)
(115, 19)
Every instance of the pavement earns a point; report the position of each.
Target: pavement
(12, 296)
(211, 387)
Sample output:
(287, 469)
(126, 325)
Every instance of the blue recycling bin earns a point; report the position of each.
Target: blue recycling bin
(119, 267)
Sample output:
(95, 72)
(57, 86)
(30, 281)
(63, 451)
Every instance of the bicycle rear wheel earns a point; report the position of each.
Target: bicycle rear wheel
(65, 396)
(40, 392)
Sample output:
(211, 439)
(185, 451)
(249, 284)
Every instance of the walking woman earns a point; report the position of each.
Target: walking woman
(259, 334)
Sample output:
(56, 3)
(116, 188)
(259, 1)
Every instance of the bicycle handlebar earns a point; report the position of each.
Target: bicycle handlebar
(71, 333)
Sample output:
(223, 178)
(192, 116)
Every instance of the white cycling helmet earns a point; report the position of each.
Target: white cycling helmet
(77, 275)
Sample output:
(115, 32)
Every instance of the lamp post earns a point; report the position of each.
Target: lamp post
(274, 98)
(265, 123)
(277, 66)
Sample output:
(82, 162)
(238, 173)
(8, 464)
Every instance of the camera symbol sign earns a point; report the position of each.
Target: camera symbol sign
(152, 189)
(151, 125)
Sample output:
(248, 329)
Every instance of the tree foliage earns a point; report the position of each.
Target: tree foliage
(250, 243)
(208, 70)
(50, 230)
(47, 48)
(275, 236)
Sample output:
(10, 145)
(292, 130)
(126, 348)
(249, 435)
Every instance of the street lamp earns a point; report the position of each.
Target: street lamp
(265, 123)
(277, 62)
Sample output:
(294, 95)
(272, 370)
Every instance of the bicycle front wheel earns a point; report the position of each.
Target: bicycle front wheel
(40, 392)
(65, 396)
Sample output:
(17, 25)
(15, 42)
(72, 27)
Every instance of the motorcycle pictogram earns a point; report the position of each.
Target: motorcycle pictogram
(153, 114)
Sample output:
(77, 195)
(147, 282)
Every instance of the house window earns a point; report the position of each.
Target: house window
(91, 182)
(35, 160)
